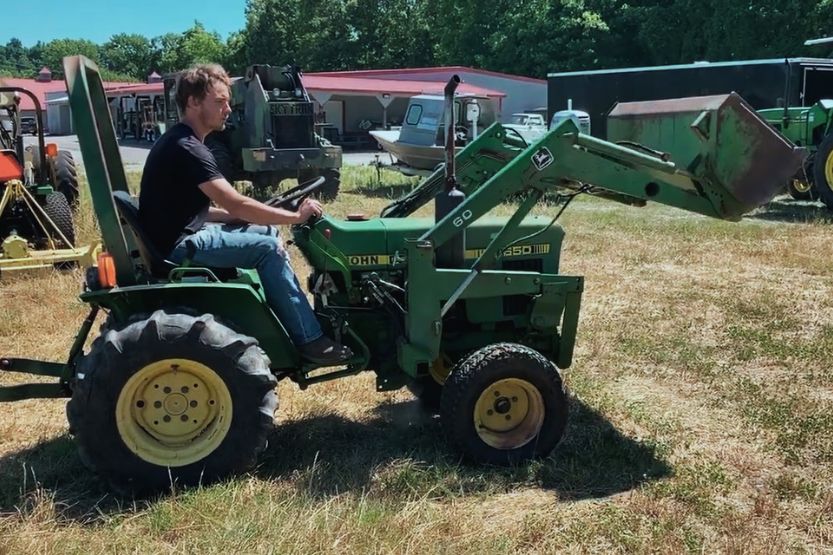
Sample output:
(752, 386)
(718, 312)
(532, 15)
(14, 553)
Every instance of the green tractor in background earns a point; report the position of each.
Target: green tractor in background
(809, 127)
(270, 135)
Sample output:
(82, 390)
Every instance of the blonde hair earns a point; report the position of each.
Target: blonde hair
(196, 81)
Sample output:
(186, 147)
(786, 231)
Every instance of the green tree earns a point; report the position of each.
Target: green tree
(128, 54)
(14, 59)
(389, 34)
(194, 46)
(56, 50)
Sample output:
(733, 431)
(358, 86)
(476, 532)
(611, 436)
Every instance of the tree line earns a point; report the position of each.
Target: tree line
(524, 37)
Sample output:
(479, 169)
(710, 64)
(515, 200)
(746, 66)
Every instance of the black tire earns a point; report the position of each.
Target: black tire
(799, 190)
(477, 416)
(223, 156)
(57, 208)
(114, 379)
(822, 161)
(332, 183)
(64, 176)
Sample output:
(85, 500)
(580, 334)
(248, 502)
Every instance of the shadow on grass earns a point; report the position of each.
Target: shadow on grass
(403, 448)
(399, 452)
(785, 209)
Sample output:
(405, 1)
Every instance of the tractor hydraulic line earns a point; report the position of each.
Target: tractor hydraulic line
(569, 199)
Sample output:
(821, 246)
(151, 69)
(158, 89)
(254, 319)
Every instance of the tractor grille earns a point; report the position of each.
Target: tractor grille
(293, 125)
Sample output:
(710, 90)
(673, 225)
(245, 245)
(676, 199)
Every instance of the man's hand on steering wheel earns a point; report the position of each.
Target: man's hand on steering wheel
(310, 208)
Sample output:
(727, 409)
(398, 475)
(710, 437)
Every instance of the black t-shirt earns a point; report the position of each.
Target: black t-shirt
(171, 204)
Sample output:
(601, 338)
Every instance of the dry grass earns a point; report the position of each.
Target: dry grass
(702, 418)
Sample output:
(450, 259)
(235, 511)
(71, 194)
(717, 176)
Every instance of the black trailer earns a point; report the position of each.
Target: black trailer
(762, 83)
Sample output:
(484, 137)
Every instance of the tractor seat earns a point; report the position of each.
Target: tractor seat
(158, 265)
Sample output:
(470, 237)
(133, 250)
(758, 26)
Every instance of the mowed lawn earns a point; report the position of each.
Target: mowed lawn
(701, 416)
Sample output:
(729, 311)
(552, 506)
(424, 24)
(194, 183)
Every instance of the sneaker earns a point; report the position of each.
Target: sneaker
(325, 351)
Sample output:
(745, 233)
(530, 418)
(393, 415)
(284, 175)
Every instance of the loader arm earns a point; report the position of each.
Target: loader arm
(728, 162)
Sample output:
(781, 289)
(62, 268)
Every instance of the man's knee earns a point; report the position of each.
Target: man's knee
(272, 246)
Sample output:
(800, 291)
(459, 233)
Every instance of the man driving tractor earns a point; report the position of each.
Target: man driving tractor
(181, 180)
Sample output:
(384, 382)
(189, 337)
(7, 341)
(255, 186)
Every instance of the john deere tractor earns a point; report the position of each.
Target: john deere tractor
(180, 383)
(39, 186)
(809, 127)
(270, 135)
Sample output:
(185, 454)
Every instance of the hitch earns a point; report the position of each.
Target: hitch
(63, 370)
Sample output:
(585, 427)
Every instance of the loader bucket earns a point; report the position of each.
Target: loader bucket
(719, 141)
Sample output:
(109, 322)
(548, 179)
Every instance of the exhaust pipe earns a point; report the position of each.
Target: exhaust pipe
(452, 253)
(450, 176)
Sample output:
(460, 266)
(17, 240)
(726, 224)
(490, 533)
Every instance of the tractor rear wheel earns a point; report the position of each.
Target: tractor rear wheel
(503, 405)
(64, 175)
(823, 171)
(57, 208)
(172, 399)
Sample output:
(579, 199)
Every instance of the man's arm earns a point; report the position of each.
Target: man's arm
(244, 208)
(221, 215)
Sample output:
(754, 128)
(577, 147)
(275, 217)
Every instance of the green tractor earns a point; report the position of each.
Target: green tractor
(270, 135)
(470, 311)
(809, 127)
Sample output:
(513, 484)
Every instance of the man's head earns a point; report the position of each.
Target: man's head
(202, 94)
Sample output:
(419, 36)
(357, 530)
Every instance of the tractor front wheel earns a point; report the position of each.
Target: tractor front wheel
(171, 400)
(823, 171)
(800, 190)
(503, 405)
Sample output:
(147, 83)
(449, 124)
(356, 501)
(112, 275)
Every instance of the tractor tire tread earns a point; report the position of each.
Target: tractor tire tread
(472, 375)
(124, 349)
(58, 209)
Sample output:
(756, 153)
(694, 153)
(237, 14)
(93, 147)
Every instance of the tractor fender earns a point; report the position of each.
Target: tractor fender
(240, 306)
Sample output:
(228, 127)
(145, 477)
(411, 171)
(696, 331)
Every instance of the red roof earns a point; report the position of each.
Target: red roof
(38, 88)
(340, 83)
(133, 88)
(415, 73)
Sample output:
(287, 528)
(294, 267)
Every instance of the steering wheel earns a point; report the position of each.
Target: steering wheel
(292, 198)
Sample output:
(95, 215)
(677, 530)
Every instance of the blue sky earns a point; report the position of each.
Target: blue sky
(97, 20)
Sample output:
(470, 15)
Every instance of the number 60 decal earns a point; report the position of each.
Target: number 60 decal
(462, 218)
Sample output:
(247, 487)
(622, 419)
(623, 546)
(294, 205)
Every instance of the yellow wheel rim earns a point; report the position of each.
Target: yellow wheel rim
(509, 413)
(828, 170)
(803, 186)
(174, 412)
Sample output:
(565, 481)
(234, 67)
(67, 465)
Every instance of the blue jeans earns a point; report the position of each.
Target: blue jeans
(258, 247)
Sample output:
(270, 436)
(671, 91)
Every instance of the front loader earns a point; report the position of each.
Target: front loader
(180, 383)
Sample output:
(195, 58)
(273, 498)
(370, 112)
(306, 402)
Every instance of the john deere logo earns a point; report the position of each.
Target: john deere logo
(542, 158)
